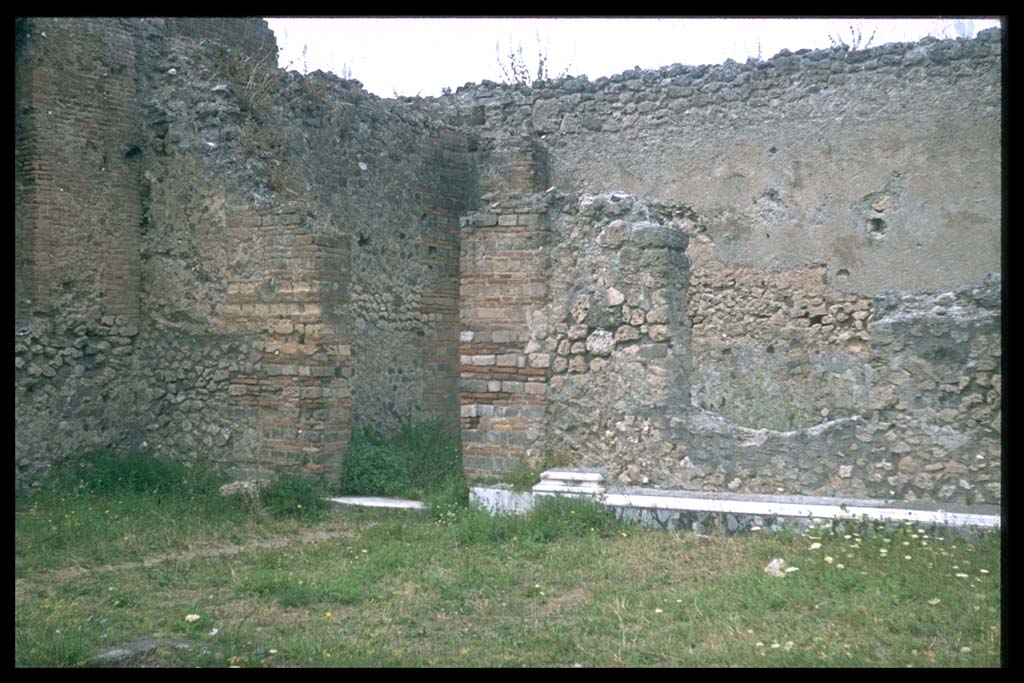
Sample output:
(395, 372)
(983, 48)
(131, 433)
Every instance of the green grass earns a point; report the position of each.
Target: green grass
(293, 495)
(565, 585)
(107, 508)
(421, 462)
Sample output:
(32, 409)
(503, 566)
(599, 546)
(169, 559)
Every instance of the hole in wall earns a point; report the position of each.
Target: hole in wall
(773, 149)
(401, 235)
(770, 348)
(842, 275)
(363, 240)
(876, 228)
(431, 250)
(133, 153)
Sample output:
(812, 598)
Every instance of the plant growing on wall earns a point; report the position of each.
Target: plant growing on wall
(856, 39)
(514, 67)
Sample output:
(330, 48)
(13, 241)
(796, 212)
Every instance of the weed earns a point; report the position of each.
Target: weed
(108, 473)
(293, 495)
(422, 461)
(522, 477)
(472, 527)
(525, 474)
(255, 75)
(51, 647)
(554, 517)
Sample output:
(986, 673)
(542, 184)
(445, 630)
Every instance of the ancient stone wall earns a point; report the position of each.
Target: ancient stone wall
(813, 181)
(320, 263)
(936, 362)
(77, 210)
(611, 344)
(851, 159)
(216, 258)
(617, 324)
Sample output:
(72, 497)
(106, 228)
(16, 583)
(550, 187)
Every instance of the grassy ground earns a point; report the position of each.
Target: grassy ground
(455, 587)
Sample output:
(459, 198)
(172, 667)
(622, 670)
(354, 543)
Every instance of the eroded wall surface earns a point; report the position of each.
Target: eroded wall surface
(76, 239)
(773, 277)
(263, 246)
(810, 183)
(305, 236)
(608, 338)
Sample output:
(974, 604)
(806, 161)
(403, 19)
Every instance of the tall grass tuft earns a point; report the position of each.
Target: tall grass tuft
(423, 461)
(107, 472)
(293, 495)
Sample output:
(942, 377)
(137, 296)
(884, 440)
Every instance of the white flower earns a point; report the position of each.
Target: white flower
(191, 617)
(815, 546)
(934, 601)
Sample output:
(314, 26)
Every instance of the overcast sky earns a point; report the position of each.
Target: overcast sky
(421, 56)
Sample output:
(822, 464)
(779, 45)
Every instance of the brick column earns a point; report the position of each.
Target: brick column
(504, 267)
(77, 197)
(295, 311)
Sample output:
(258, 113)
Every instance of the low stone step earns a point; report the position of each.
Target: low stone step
(568, 487)
(574, 475)
(378, 502)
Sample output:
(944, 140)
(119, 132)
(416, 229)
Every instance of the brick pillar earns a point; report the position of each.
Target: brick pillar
(77, 194)
(296, 313)
(504, 267)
